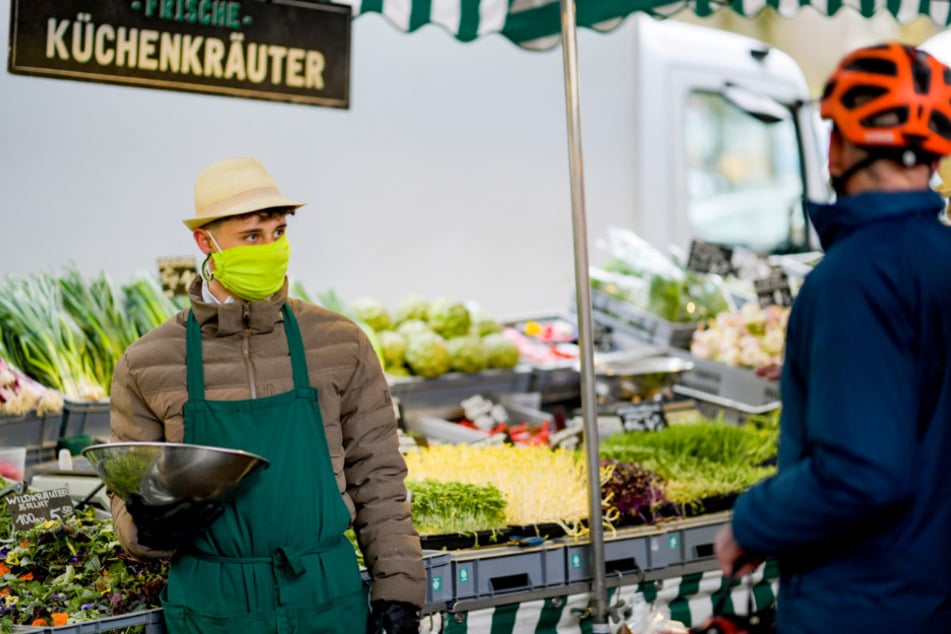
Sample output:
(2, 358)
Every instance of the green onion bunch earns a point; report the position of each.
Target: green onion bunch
(68, 332)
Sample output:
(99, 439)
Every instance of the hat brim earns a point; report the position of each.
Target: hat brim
(259, 204)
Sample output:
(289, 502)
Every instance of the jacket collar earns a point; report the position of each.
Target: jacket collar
(837, 220)
(237, 316)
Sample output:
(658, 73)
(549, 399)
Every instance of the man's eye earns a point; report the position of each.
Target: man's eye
(278, 233)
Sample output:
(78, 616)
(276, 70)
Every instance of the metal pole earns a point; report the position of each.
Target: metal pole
(585, 330)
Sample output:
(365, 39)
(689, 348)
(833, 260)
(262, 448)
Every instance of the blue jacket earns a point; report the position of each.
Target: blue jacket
(859, 513)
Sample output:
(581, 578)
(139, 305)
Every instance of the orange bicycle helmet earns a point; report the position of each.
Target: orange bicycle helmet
(891, 97)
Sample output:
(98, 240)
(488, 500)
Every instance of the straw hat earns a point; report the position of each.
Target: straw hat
(233, 187)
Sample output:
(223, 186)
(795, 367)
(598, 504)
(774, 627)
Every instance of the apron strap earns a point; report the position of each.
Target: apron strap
(193, 359)
(296, 345)
(284, 562)
(195, 363)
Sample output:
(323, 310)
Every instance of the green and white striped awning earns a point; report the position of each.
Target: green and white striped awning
(537, 23)
(688, 600)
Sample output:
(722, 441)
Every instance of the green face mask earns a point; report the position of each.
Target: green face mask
(252, 271)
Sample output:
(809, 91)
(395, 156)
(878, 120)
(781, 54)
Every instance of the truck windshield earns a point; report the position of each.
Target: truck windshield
(744, 177)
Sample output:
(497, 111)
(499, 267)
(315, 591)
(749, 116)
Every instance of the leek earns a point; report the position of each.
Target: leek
(99, 310)
(43, 339)
(146, 305)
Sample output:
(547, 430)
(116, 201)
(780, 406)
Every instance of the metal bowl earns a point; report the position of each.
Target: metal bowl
(637, 378)
(163, 473)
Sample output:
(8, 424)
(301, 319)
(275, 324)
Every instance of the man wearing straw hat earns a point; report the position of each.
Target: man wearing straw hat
(247, 367)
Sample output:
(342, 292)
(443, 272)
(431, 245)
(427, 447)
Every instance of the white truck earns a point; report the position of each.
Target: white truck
(729, 143)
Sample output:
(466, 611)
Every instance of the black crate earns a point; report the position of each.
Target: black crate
(86, 417)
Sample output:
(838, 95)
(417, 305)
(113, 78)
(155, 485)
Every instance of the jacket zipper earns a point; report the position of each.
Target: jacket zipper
(246, 351)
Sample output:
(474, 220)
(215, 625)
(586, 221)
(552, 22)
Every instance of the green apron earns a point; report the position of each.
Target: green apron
(276, 560)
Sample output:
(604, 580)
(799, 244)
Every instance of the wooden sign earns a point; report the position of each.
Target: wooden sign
(31, 509)
(177, 274)
(282, 50)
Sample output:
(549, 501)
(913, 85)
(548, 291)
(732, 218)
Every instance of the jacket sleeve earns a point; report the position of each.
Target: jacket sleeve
(375, 472)
(853, 360)
(131, 420)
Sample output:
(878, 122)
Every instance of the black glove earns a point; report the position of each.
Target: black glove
(393, 617)
(170, 526)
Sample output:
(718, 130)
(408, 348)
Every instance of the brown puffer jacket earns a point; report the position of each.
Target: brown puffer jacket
(149, 391)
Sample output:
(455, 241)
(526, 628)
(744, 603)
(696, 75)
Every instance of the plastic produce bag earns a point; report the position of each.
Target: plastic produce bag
(638, 273)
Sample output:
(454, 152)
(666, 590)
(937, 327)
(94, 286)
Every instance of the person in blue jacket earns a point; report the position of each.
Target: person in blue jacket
(859, 512)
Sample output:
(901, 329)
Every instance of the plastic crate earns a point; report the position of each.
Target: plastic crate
(438, 567)
(665, 549)
(494, 571)
(29, 429)
(437, 424)
(416, 393)
(38, 434)
(557, 383)
(698, 542)
(152, 622)
(731, 392)
(623, 555)
(86, 417)
(438, 577)
(625, 318)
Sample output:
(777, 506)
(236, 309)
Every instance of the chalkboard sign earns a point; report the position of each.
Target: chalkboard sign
(646, 416)
(774, 289)
(706, 257)
(177, 274)
(31, 509)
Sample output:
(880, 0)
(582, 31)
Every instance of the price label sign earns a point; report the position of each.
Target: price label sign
(774, 289)
(706, 257)
(31, 509)
(177, 274)
(646, 416)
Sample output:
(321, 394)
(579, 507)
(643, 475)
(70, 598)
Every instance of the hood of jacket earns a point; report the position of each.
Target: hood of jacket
(238, 316)
(836, 220)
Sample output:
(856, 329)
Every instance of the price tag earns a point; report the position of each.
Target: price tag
(706, 257)
(774, 289)
(646, 416)
(31, 509)
(176, 274)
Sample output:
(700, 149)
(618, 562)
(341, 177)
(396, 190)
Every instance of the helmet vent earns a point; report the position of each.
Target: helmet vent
(874, 66)
(921, 75)
(887, 118)
(858, 95)
(940, 124)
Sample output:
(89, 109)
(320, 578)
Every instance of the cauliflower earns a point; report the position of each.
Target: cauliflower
(428, 355)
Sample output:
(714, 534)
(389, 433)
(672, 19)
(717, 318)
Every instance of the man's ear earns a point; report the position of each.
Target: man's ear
(836, 154)
(203, 241)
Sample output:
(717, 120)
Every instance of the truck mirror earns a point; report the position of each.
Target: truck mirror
(757, 105)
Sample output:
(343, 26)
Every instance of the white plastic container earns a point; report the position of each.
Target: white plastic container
(13, 463)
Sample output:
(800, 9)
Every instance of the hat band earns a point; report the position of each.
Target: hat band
(223, 207)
